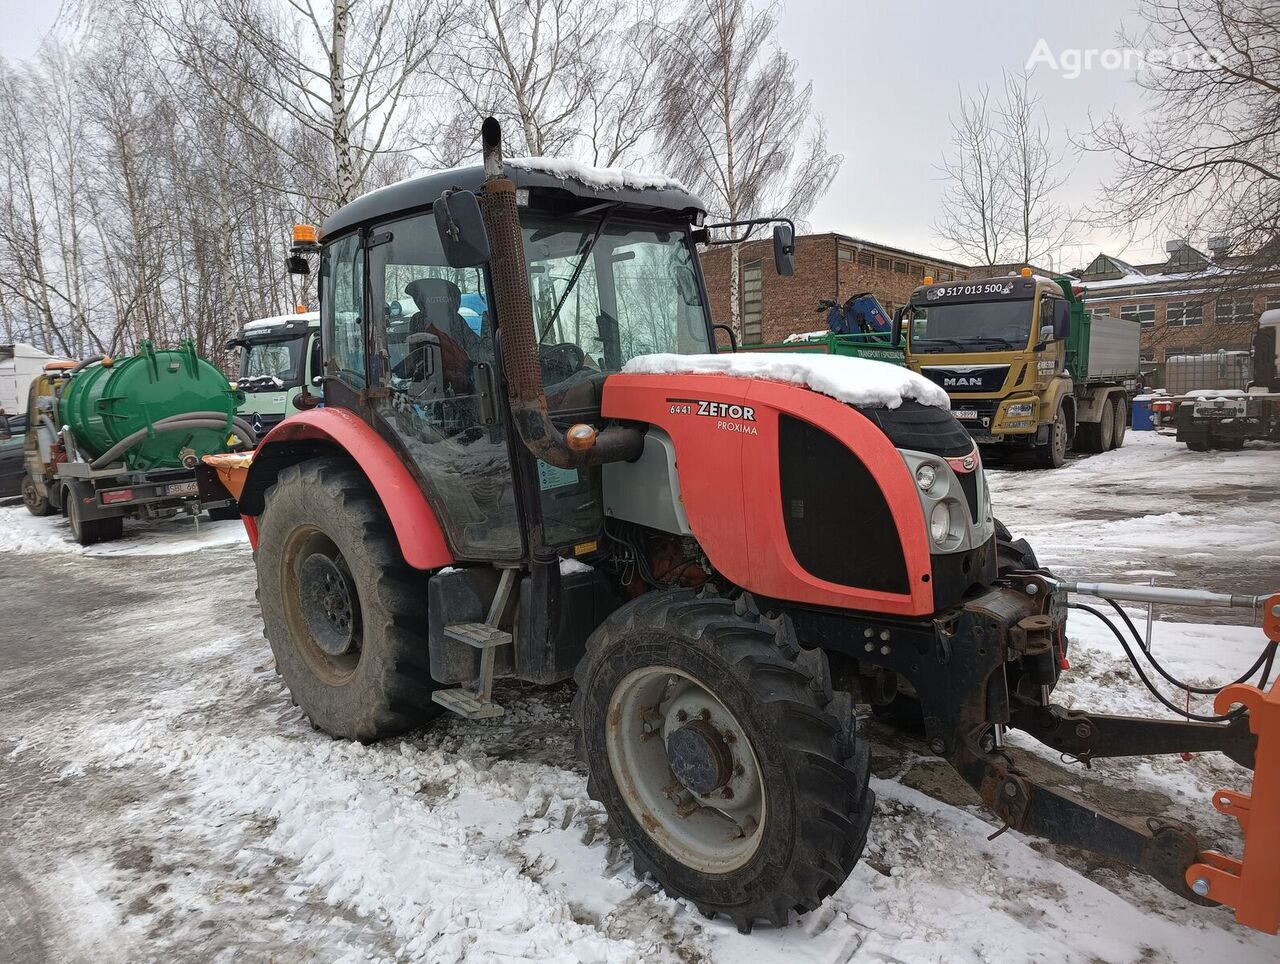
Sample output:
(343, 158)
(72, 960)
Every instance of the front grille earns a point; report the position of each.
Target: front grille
(839, 526)
(922, 428)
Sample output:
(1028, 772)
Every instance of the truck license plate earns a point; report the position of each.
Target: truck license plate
(181, 488)
(965, 413)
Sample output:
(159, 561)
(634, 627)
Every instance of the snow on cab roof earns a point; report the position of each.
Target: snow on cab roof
(855, 381)
(279, 320)
(599, 178)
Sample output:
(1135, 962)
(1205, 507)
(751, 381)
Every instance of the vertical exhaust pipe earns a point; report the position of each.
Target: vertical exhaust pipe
(517, 330)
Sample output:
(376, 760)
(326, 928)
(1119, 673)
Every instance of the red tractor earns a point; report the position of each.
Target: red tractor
(724, 564)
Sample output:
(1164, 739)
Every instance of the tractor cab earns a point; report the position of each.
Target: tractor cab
(411, 340)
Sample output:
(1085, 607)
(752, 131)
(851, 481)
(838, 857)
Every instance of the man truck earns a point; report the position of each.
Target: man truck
(1026, 365)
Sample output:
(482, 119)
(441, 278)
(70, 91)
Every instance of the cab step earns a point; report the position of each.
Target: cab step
(477, 703)
(466, 704)
(478, 635)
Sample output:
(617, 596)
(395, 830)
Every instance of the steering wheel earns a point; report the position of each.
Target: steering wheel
(560, 361)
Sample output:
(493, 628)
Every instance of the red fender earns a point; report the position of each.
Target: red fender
(417, 530)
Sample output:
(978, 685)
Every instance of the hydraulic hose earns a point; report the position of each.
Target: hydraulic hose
(1266, 661)
(184, 422)
(1267, 652)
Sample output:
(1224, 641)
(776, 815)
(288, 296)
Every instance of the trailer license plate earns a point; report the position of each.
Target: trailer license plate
(971, 413)
(181, 488)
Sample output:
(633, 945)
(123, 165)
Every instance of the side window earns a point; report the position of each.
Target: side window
(341, 308)
(433, 322)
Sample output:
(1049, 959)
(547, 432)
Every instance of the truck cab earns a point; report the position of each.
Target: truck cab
(279, 357)
(1024, 364)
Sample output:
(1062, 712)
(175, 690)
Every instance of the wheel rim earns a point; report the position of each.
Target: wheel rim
(322, 605)
(30, 496)
(686, 769)
(1060, 439)
(1107, 426)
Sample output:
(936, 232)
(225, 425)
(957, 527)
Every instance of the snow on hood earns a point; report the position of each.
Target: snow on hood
(601, 178)
(855, 381)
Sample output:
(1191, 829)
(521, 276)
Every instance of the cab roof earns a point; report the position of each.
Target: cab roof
(536, 173)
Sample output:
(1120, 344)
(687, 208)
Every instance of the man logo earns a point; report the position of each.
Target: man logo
(962, 381)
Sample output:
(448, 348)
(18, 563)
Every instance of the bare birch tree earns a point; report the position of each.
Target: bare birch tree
(568, 75)
(974, 212)
(734, 123)
(347, 74)
(1033, 173)
(1207, 152)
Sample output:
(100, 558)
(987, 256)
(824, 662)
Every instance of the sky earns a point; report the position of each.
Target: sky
(886, 78)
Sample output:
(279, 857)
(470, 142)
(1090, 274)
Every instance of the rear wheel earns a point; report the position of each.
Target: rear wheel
(722, 755)
(87, 532)
(1053, 453)
(341, 608)
(36, 503)
(1107, 426)
(1122, 420)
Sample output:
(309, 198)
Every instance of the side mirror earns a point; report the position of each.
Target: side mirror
(461, 227)
(5, 431)
(305, 401)
(784, 250)
(297, 264)
(895, 330)
(1061, 319)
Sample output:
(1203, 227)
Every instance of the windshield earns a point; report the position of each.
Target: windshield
(274, 360)
(972, 326)
(613, 290)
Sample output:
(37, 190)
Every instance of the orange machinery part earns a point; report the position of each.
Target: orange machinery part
(232, 469)
(1251, 884)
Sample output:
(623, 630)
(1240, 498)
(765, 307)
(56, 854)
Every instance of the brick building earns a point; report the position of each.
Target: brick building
(1189, 304)
(833, 266)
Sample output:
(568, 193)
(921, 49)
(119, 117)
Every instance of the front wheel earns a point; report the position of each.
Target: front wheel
(1053, 453)
(722, 755)
(342, 610)
(36, 503)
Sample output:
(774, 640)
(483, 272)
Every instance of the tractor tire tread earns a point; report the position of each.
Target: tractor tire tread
(812, 724)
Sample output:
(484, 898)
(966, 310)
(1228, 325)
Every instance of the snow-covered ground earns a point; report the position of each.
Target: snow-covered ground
(161, 799)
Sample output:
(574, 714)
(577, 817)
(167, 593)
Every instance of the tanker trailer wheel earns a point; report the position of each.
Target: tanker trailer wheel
(721, 754)
(341, 608)
(36, 503)
(90, 531)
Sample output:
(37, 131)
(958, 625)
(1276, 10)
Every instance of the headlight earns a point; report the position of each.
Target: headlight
(926, 475)
(1020, 410)
(940, 523)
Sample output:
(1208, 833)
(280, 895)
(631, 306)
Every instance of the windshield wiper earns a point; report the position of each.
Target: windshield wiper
(577, 271)
(947, 341)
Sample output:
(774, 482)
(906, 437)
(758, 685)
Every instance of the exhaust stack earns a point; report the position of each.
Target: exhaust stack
(516, 328)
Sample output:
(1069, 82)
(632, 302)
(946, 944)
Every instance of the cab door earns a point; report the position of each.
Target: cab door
(432, 385)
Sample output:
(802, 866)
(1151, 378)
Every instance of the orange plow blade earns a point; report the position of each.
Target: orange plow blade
(1251, 884)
